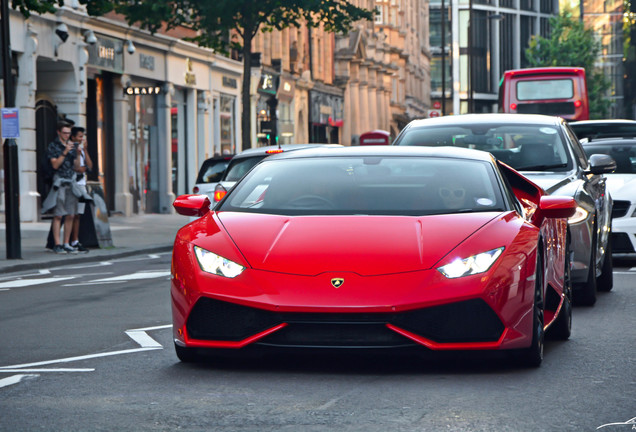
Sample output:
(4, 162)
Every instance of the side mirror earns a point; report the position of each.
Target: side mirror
(602, 164)
(551, 206)
(192, 205)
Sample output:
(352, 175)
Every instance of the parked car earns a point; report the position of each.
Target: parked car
(244, 161)
(544, 149)
(622, 187)
(593, 129)
(374, 247)
(210, 174)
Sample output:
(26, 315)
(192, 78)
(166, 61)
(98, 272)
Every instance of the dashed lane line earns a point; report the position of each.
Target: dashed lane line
(139, 335)
(15, 379)
(20, 283)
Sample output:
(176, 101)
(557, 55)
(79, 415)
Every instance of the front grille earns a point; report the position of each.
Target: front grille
(621, 243)
(556, 108)
(620, 209)
(467, 321)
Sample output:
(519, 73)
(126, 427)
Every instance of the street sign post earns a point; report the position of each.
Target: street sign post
(10, 147)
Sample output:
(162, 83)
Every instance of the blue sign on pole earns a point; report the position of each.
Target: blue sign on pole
(10, 123)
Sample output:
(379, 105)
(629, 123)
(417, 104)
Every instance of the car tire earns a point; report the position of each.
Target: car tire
(186, 355)
(585, 295)
(533, 355)
(561, 329)
(605, 281)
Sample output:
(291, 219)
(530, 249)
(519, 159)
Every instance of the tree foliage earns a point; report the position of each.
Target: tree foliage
(215, 20)
(572, 44)
(26, 7)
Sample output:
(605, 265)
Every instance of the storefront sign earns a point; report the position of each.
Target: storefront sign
(10, 123)
(230, 82)
(190, 77)
(107, 54)
(268, 83)
(143, 90)
(286, 90)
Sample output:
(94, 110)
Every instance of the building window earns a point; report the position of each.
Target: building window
(378, 15)
(525, 33)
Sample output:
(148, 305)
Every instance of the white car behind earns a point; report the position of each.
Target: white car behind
(621, 185)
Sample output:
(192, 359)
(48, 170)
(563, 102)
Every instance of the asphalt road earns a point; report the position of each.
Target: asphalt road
(89, 349)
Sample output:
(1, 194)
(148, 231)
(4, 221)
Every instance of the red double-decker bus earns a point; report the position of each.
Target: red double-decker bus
(557, 91)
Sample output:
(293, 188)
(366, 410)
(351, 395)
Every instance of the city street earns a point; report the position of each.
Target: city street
(88, 347)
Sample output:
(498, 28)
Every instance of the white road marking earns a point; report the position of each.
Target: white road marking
(135, 276)
(138, 335)
(76, 358)
(90, 283)
(48, 370)
(15, 379)
(19, 283)
(39, 273)
(143, 339)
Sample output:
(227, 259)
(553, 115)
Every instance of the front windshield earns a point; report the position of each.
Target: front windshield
(623, 153)
(411, 186)
(525, 148)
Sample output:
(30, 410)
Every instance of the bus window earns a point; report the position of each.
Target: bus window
(558, 91)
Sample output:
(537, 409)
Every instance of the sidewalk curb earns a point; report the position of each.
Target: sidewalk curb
(84, 258)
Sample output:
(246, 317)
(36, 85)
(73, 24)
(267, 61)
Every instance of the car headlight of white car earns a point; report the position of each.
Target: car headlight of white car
(216, 264)
(472, 265)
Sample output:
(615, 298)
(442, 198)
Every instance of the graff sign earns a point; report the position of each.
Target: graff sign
(146, 90)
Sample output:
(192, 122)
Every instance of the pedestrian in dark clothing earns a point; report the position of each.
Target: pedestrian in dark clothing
(62, 198)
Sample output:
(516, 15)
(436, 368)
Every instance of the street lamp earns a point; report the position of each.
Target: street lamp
(10, 148)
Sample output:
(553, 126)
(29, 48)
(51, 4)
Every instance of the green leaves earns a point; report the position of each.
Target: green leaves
(572, 44)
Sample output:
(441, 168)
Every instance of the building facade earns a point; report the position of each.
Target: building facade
(323, 88)
(606, 19)
(475, 42)
(154, 106)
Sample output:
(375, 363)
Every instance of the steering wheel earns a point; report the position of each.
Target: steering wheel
(311, 202)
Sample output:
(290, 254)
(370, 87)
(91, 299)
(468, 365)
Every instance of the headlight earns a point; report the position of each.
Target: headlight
(472, 265)
(215, 264)
(579, 216)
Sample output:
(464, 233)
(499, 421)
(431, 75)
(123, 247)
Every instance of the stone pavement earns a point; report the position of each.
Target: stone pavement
(146, 233)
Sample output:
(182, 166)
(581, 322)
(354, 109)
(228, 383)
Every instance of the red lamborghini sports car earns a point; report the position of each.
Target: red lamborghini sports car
(374, 248)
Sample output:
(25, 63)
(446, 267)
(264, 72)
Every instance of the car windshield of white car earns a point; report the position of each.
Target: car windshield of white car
(523, 147)
(622, 152)
(411, 186)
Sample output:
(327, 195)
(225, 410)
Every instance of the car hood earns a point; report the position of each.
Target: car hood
(367, 245)
(549, 181)
(622, 186)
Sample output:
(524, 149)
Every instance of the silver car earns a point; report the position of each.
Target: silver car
(544, 149)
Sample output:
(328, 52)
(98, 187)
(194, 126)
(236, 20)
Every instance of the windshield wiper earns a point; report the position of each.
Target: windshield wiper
(541, 167)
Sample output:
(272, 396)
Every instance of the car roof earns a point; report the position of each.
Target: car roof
(610, 142)
(602, 122)
(499, 118)
(601, 129)
(387, 151)
(259, 151)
